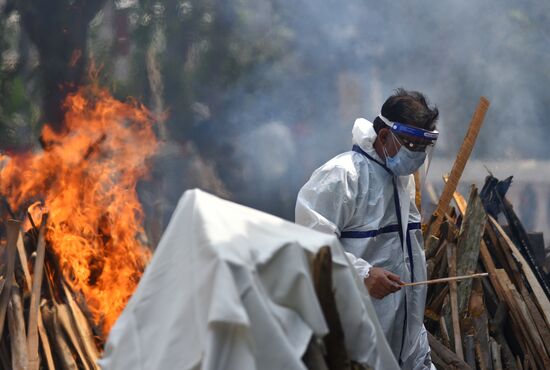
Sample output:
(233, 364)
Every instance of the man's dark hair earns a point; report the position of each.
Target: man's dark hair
(408, 107)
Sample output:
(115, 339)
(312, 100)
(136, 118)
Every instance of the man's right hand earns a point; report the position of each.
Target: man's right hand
(381, 282)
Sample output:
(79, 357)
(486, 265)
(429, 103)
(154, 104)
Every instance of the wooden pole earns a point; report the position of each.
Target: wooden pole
(16, 324)
(32, 338)
(458, 166)
(12, 234)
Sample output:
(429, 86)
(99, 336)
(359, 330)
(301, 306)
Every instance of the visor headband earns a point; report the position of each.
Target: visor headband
(402, 128)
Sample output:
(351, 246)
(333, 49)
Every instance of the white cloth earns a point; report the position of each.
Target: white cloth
(352, 196)
(230, 287)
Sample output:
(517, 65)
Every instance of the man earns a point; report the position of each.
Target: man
(366, 197)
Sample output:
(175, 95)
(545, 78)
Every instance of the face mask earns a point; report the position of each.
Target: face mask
(405, 162)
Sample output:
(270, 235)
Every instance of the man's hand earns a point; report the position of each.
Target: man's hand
(380, 282)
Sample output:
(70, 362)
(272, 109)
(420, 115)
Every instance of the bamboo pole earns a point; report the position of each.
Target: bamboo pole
(445, 280)
(458, 166)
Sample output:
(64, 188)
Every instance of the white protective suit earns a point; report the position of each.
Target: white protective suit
(354, 196)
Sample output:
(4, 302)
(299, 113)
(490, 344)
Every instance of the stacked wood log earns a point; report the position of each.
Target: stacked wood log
(498, 322)
(43, 324)
(331, 354)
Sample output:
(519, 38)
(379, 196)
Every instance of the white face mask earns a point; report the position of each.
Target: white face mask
(405, 162)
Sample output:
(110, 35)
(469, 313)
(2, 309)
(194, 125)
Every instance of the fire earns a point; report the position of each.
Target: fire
(86, 178)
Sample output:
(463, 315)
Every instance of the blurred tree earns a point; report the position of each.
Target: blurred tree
(59, 29)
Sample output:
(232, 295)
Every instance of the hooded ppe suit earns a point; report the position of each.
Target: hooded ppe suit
(373, 213)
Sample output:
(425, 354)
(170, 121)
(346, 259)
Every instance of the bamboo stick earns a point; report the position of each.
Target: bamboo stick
(459, 165)
(448, 279)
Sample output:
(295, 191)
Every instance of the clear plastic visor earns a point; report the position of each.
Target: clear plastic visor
(419, 143)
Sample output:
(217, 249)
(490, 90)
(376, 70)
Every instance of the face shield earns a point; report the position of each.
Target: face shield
(416, 141)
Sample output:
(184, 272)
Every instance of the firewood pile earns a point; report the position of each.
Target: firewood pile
(497, 322)
(43, 323)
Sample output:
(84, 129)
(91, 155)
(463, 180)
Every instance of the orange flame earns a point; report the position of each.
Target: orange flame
(87, 180)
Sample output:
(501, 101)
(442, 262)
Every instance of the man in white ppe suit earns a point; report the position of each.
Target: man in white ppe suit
(366, 197)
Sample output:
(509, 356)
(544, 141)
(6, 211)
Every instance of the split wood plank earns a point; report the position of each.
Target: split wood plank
(537, 339)
(46, 347)
(24, 261)
(496, 326)
(500, 290)
(83, 330)
(435, 261)
(64, 317)
(28, 282)
(62, 350)
(38, 273)
(451, 259)
(447, 356)
(444, 333)
(469, 351)
(541, 298)
(495, 355)
(526, 326)
(12, 231)
(489, 266)
(469, 240)
(537, 318)
(4, 355)
(438, 301)
(460, 202)
(480, 325)
(459, 165)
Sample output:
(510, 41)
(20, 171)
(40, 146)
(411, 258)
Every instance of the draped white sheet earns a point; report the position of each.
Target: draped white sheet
(230, 287)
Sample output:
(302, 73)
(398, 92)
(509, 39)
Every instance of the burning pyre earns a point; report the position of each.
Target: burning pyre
(85, 179)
